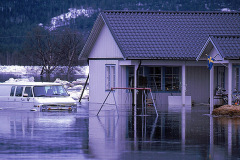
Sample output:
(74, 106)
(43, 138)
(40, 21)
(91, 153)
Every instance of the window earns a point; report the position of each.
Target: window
(109, 77)
(221, 77)
(12, 91)
(49, 91)
(172, 78)
(28, 91)
(19, 91)
(158, 78)
(155, 79)
(130, 77)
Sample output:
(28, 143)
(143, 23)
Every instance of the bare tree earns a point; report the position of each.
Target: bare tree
(42, 48)
(71, 46)
(52, 49)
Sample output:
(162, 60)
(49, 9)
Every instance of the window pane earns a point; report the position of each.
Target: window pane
(107, 77)
(12, 91)
(51, 91)
(110, 76)
(151, 70)
(19, 91)
(158, 70)
(175, 70)
(130, 76)
(168, 70)
(154, 79)
(172, 78)
(28, 90)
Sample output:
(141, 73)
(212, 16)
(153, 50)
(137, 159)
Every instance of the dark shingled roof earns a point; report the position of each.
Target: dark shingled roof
(164, 35)
(227, 45)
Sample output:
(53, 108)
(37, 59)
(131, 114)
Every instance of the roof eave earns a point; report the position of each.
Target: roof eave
(161, 58)
(92, 38)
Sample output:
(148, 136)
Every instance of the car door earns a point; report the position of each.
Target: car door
(12, 98)
(27, 98)
(18, 97)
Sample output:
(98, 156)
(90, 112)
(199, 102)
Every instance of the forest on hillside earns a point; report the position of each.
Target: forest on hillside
(18, 18)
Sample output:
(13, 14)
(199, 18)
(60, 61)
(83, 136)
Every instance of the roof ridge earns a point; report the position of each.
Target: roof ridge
(170, 12)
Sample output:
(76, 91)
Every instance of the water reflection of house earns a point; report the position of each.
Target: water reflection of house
(165, 51)
(176, 135)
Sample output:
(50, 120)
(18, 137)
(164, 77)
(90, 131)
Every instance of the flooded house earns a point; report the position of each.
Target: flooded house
(167, 52)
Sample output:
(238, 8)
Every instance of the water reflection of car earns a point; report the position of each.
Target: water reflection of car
(42, 96)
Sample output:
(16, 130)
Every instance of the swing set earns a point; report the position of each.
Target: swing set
(144, 100)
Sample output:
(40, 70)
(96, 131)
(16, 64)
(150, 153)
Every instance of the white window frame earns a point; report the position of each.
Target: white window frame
(110, 76)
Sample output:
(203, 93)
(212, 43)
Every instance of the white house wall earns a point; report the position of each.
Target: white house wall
(97, 92)
(105, 46)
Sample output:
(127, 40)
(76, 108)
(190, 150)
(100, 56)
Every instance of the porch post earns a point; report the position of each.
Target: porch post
(135, 105)
(135, 91)
(183, 84)
(229, 83)
(211, 89)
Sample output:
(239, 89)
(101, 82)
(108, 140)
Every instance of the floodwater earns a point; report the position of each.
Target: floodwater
(178, 134)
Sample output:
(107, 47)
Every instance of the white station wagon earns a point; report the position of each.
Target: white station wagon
(41, 96)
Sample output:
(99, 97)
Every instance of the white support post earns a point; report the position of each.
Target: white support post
(229, 83)
(211, 89)
(183, 84)
(135, 91)
(135, 106)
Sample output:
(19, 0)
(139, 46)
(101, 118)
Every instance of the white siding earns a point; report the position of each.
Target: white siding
(97, 92)
(105, 46)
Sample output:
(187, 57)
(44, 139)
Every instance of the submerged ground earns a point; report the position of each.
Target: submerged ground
(182, 134)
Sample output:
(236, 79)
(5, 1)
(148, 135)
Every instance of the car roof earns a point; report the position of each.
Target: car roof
(31, 83)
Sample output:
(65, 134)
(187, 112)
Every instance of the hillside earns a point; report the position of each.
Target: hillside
(17, 17)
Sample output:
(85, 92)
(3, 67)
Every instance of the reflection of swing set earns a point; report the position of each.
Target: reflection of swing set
(146, 102)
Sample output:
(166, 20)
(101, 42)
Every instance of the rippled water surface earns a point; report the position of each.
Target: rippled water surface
(182, 134)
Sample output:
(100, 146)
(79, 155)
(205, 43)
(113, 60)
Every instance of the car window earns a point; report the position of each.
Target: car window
(12, 91)
(28, 90)
(19, 91)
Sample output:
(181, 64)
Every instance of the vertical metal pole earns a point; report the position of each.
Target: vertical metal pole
(135, 106)
(135, 90)
(183, 84)
(145, 102)
(142, 104)
(211, 89)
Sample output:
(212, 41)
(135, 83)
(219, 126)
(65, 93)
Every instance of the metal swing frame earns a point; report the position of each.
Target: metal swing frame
(112, 89)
